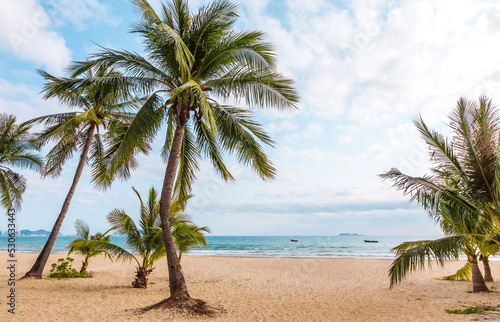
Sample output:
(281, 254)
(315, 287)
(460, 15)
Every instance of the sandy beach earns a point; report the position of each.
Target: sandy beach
(249, 289)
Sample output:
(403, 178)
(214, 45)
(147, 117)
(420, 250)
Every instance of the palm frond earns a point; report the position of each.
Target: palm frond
(162, 34)
(12, 187)
(425, 190)
(128, 139)
(441, 150)
(188, 166)
(236, 49)
(259, 88)
(26, 160)
(147, 11)
(118, 252)
(17, 149)
(412, 256)
(238, 132)
(464, 121)
(210, 147)
(82, 229)
(124, 225)
(463, 274)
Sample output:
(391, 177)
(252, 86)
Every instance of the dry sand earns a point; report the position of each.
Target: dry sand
(249, 289)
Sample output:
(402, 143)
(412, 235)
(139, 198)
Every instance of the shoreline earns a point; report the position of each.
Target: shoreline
(492, 259)
(236, 256)
(249, 289)
(263, 246)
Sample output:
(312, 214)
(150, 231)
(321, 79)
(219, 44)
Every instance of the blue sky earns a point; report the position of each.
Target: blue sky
(364, 70)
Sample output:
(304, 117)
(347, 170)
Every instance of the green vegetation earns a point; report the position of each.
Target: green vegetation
(146, 239)
(193, 64)
(461, 195)
(192, 59)
(17, 149)
(63, 269)
(474, 309)
(89, 251)
(187, 235)
(462, 274)
(102, 109)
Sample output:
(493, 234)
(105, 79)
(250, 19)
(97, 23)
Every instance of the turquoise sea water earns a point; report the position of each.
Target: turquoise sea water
(261, 246)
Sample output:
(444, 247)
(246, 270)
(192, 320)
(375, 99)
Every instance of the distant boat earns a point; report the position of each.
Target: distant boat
(371, 241)
(294, 240)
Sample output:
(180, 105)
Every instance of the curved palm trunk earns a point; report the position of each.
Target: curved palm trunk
(85, 264)
(487, 270)
(178, 287)
(37, 269)
(478, 284)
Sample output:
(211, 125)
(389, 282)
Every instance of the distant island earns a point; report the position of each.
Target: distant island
(347, 234)
(38, 233)
(30, 233)
(33, 233)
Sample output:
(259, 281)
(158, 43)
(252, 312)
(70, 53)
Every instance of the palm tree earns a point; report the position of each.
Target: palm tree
(462, 192)
(195, 60)
(464, 235)
(413, 255)
(489, 248)
(17, 149)
(83, 233)
(486, 248)
(102, 110)
(146, 239)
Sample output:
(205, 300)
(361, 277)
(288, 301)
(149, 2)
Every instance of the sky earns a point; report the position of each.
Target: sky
(364, 71)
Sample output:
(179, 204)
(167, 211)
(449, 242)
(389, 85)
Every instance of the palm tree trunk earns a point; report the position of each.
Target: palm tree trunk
(178, 287)
(478, 284)
(37, 269)
(141, 277)
(85, 263)
(487, 271)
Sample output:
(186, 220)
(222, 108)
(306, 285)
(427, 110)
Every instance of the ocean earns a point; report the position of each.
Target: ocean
(259, 246)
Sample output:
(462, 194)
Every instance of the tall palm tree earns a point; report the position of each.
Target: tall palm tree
(17, 149)
(462, 192)
(83, 233)
(102, 109)
(193, 61)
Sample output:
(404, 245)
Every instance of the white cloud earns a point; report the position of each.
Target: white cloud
(81, 13)
(25, 33)
(281, 125)
(377, 60)
(313, 130)
(25, 102)
(345, 139)
(364, 70)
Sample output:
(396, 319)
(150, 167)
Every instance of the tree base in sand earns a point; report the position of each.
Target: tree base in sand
(186, 306)
(32, 275)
